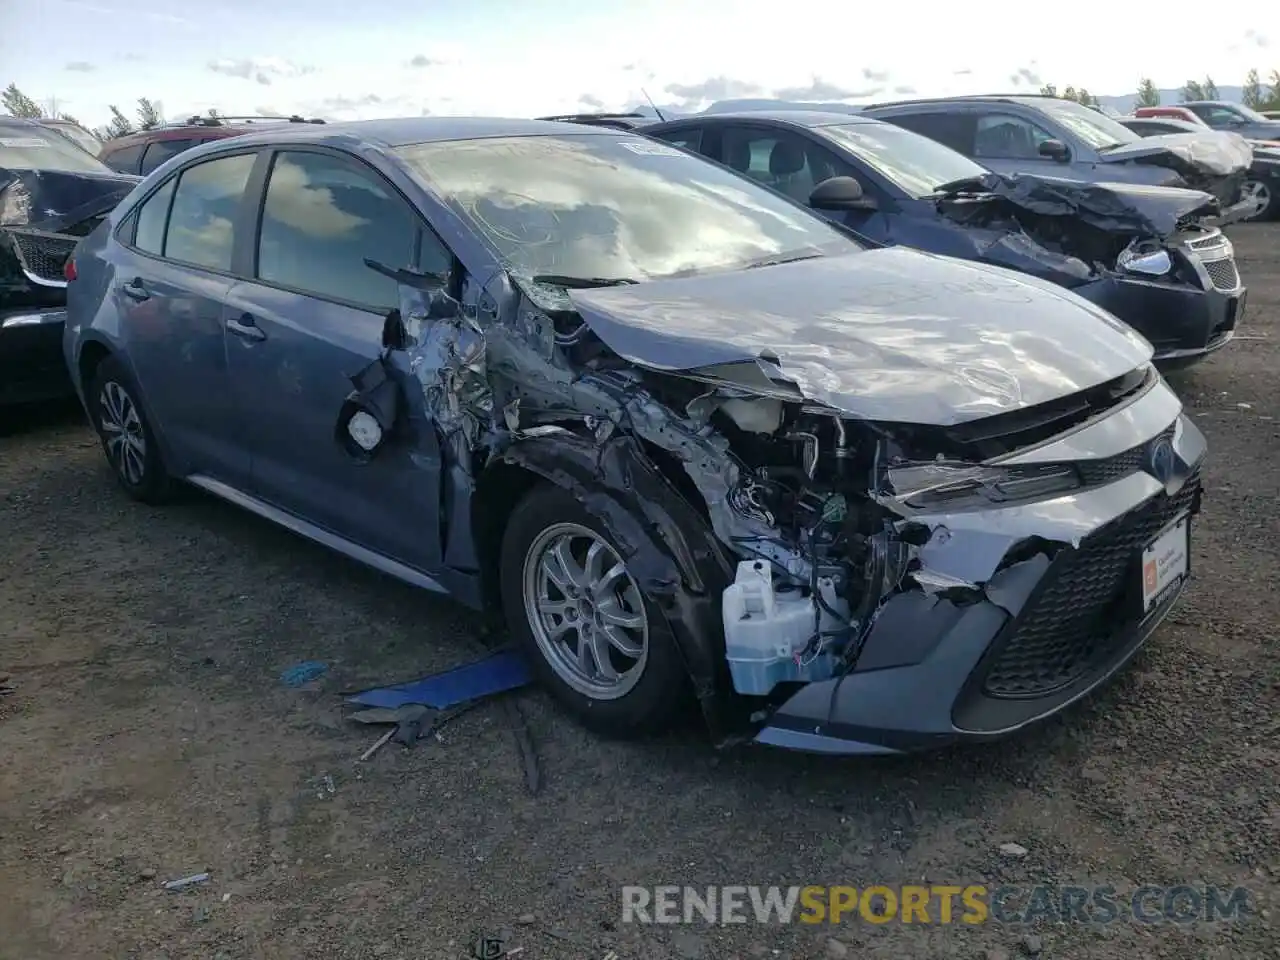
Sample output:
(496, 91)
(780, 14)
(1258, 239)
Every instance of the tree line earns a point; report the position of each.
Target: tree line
(148, 113)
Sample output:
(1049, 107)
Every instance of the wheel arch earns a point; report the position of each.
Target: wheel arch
(667, 541)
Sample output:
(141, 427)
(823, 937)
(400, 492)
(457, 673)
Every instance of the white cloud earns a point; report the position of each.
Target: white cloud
(263, 70)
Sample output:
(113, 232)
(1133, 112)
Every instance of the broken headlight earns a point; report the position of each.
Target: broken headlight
(953, 486)
(1146, 259)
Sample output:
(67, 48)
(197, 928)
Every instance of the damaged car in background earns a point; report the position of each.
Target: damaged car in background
(691, 439)
(52, 193)
(1149, 255)
(1061, 138)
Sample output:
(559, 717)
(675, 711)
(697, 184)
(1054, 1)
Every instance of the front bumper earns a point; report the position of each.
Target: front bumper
(1045, 633)
(1184, 321)
(31, 364)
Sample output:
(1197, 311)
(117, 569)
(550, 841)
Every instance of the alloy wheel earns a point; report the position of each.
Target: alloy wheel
(586, 611)
(122, 432)
(1259, 193)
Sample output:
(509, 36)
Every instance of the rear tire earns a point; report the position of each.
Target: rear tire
(127, 438)
(594, 640)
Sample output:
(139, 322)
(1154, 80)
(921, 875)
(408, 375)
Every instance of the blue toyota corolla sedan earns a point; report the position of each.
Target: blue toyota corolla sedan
(692, 440)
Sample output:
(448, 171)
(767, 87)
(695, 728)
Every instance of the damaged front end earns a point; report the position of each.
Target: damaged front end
(835, 580)
(1153, 256)
(43, 215)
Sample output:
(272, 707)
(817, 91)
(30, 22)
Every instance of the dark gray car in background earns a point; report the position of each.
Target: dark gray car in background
(1235, 118)
(1053, 137)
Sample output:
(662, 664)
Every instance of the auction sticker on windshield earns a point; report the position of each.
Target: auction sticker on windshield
(22, 142)
(650, 149)
(1164, 564)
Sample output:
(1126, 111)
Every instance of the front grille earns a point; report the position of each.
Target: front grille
(1080, 618)
(41, 253)
(1222, 273)
(1095, 473)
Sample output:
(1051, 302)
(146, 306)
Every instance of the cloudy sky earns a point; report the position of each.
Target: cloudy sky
(372, 58)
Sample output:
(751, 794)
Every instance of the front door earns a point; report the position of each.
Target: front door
(311, 319)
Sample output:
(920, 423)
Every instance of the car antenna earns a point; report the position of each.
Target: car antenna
(661, 118)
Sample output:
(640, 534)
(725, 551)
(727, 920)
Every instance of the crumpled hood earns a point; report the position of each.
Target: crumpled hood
(1114, 207)
(890, 334)
(55, 200)
(1194, 155)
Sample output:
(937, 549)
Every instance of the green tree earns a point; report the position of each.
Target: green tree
(1252, 92)
(18, 104)
(148, 114)
(1210, 89)
(1148, 94)
(1083, 96)
(213, 113)
(1192, 90)
(1049, 90)
(119, 125)
(1272, 101)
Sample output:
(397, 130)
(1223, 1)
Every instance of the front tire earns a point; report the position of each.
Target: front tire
(594, 639)
(126, 434)
(1266, 192)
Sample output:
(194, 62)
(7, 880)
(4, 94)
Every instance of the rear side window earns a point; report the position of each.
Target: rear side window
(124, 159)
(161, 150)
(152, 217)
(955, 130)
(323, 216)
(203, 214)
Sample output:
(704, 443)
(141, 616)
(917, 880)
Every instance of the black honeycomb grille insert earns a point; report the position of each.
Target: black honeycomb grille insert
(1080, 618)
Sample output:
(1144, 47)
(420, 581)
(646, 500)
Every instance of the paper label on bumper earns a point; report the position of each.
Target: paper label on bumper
(1164, 564)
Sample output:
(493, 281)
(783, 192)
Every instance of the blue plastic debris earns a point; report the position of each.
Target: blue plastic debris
(304, 672)
(496, 673)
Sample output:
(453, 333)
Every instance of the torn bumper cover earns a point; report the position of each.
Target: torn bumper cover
(1045, 630)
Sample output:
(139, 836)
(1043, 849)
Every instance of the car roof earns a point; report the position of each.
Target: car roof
(1025, 99)
(1206, 103)
(404, 131)
(1177, 123)
(795, 118)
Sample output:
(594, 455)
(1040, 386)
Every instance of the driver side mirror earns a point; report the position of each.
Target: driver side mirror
(840, 193)
(1054, 150)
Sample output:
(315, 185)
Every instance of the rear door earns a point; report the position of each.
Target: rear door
(172, 273)
(311, 318)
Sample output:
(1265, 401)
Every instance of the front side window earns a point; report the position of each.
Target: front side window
(1002, 136)
(913, 163)
(784, 161)
(29, 146)
(687, 139)
(613, 205)
(205, 206)
(323, 217)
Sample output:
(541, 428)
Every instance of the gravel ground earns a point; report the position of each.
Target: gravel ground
(149, 737)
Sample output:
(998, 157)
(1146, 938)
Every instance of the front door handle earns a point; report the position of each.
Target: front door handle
(245, 326)
(135, 289)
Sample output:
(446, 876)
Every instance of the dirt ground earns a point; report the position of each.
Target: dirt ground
(149, 737)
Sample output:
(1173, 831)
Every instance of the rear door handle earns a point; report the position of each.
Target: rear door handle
(135, 289)
(245, 326)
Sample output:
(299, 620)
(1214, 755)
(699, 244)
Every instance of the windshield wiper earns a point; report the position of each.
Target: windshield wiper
(785, 258)
(581, 283)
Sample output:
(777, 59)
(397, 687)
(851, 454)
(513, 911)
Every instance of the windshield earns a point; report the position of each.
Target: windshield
(80, 137)
(1249, 113)
(615, 206)
(32, 147)
(910, 161)
(1089, 125)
